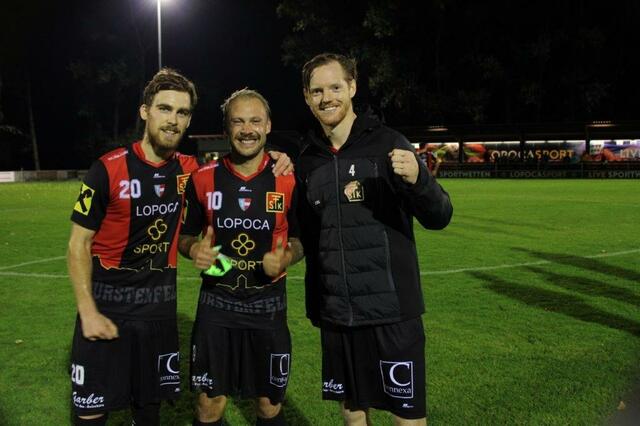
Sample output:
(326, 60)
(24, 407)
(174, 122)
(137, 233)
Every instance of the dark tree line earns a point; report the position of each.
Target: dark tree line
(67, 76)
(71, 74)
(453, 61)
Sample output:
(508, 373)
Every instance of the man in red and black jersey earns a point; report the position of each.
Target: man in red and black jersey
(240, 342)
(122, 261)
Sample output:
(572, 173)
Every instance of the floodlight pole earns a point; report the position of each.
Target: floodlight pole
(159, 2)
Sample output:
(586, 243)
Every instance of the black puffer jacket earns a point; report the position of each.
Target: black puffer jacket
(362, 266)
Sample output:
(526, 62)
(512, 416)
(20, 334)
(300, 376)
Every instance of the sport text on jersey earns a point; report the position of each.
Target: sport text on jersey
(155, 231)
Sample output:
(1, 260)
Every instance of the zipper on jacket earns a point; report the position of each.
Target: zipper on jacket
(387, 254)
(339, 215)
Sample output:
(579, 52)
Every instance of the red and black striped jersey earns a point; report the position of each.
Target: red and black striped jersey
(248, 215)
(135, 208)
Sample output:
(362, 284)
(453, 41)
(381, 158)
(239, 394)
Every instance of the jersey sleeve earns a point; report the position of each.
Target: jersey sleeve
(193, 216)
(292, 215)
(91, 206)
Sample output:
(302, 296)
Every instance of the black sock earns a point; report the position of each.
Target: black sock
(278, 420)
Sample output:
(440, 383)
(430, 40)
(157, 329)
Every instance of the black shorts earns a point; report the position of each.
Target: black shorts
(381, 367)
(141, 366)
(247, 363)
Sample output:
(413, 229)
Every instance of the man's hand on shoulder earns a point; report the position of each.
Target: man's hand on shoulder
(283, 166)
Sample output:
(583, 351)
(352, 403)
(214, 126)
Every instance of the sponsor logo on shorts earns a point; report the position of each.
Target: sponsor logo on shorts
(169, 368)
(77, 374)
(397, 378)
(90, 401)
(333, 387)
(202, 381)
(279, 370)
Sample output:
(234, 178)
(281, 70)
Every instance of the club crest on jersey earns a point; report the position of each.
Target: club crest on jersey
(83, 205)
(244, 203)
(354, 191)
(159, 189)
(275, 202)
(182, 182)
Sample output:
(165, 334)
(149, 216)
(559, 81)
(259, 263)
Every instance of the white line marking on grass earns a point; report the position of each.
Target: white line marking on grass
(31, 275)
(484, 268)
(615, 253)
(298, 277)
(518, 265)
(50, 259)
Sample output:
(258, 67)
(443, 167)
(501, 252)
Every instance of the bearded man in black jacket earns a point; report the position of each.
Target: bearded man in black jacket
(361, 185)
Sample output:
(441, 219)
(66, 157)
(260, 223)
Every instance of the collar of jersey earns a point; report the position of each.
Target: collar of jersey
(229, 165)
(137, 150)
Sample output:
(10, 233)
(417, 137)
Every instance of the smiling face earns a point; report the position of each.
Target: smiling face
(167, 118)
(329, 94)
(248, 125)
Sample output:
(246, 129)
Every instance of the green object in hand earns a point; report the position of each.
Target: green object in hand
(221, 266)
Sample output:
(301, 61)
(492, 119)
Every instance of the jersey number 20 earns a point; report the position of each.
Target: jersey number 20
(130, 189)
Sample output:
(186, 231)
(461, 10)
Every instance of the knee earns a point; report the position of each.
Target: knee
(399, 421)
(211, 409)
(265, 409)
(353, 417)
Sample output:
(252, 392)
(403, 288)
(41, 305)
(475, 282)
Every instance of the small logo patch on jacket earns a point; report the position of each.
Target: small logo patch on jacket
(354, 191)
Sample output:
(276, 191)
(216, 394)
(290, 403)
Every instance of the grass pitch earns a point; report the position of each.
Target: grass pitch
(532, 316)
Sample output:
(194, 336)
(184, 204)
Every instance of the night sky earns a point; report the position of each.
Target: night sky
(444, 61)
(221, 45)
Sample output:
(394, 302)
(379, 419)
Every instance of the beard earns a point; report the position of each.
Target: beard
(164, 147)
(334, 118)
